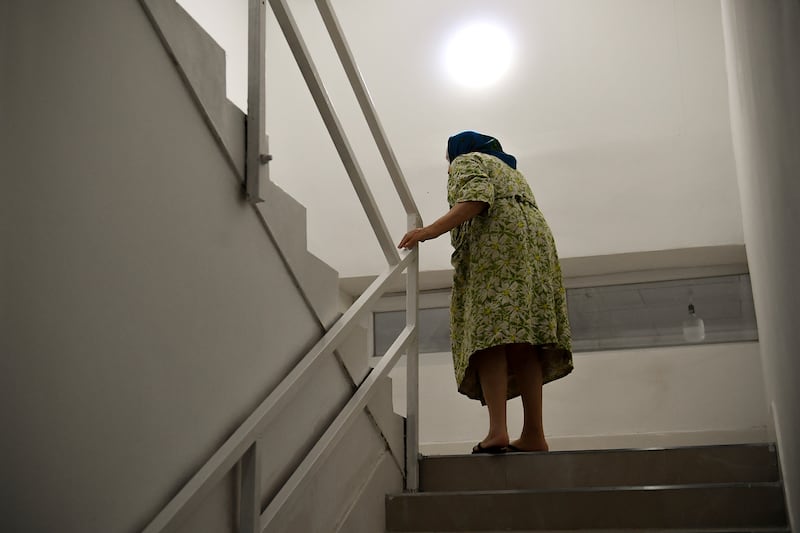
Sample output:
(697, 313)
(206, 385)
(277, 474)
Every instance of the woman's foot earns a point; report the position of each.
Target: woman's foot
(491, 450)
(495, 441)
(528, 446)
(492, 444)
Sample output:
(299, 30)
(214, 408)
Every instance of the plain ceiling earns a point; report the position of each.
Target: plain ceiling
(616, 109)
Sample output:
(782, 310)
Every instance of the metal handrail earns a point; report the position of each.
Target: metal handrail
(367, 107)
(243, 446)
(246, 436)
(316, 87)
(335, 129)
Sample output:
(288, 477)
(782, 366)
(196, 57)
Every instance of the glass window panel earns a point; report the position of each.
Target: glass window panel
(641, 315)
(434, 329)
(636, 315)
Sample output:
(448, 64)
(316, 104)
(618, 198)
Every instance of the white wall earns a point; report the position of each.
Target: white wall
(617, 110)
(704, 394)
(762, 42)
(145, 311)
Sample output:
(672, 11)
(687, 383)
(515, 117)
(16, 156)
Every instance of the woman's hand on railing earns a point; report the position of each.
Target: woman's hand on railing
(414, 236)
(459, 213)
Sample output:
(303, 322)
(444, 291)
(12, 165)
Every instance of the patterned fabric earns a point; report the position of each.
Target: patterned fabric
(507, 285)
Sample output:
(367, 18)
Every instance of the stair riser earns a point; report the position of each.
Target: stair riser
(637, 530)
(705, 507)
(286, 219)
(613, 468)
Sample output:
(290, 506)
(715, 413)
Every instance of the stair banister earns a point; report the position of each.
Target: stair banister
(412, 376)
(243, 447)
(317, 89)
(344, 420)
(367, 107)
(311, 76)
(414, 221)
(247, 434)
(329, 117)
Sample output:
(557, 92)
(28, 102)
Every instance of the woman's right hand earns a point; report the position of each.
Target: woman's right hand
(414, 236)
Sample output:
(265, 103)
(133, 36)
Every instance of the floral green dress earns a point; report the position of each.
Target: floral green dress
(507, 285)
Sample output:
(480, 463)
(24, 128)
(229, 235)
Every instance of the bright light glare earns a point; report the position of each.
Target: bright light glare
(478, 55)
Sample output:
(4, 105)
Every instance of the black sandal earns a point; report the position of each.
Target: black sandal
(491, 450)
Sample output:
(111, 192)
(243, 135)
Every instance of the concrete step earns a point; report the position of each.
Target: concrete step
(349, 487)
(286, 219)
(357, 473)
(295, 429)
(320, 282)
(202, 62)
(694, 507)
(233, 130)
(391, 425)
(702, 488)
(639, 530)
(600, 468)
(354, 352)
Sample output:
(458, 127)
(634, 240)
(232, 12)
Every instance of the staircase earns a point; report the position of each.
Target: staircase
(346, 493)
(714, 489)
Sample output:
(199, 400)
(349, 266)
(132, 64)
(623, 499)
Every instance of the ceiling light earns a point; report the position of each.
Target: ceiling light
(478, 55)
(694, 330)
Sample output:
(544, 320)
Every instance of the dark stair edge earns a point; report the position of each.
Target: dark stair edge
(600, 451)
(572, 490)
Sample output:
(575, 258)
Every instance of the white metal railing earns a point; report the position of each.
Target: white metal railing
(257, 150)
(243, 447)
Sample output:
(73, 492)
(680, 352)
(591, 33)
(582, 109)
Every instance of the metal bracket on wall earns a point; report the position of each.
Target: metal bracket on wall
(257, 147)
(256, 167)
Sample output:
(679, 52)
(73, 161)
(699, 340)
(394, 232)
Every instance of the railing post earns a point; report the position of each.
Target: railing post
(257, 148)
(250, 490)
(412, 376)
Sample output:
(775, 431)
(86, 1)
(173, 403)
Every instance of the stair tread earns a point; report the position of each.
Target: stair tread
(712, 489)
(638, 530)
(623, 488)
(740, 505)
(551, 470)
(600, 451)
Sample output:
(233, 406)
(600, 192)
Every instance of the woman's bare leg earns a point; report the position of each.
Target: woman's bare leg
(525, 363)
(493, 375)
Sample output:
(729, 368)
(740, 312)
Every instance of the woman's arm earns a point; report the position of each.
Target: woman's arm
(461, 212)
